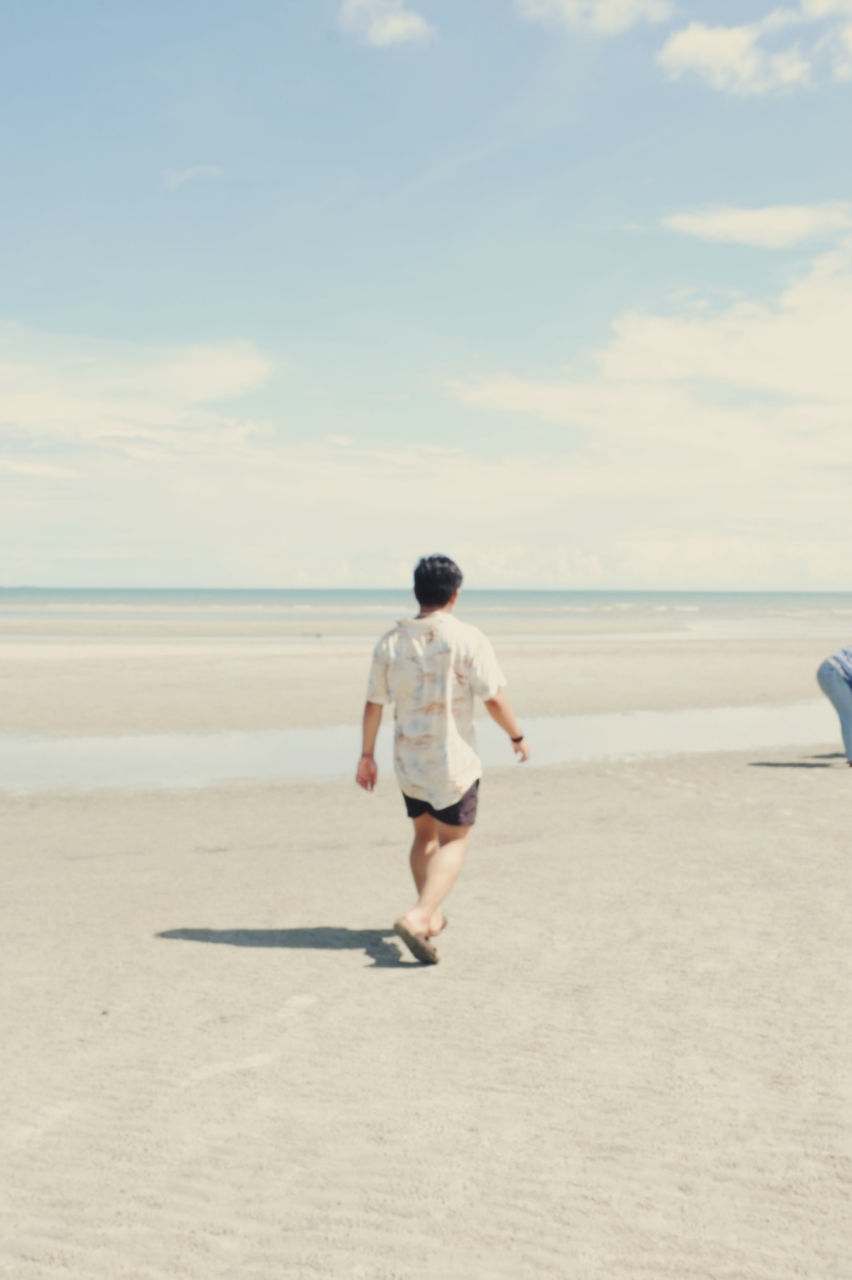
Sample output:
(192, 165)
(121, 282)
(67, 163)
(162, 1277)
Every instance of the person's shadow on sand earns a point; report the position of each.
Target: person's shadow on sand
(813, 762)
(375, 943)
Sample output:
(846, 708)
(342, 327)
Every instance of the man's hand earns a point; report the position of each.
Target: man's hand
(521, 749)
(367, 773)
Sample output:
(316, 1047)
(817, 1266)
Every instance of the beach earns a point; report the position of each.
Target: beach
(631, 1061)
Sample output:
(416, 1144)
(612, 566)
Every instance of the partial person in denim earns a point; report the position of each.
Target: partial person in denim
(835, 679)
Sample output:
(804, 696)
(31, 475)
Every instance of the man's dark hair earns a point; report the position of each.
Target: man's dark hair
(436, 579)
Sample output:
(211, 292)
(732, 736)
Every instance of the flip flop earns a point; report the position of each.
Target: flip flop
(418, 944)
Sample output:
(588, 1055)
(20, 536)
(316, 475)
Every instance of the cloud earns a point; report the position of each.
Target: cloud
(773, 227)
(757, 58)
(173, 178)
(122, 462)
(758, 364)
(35, 470)
(732, 60)
(382, 23)
(125, 397)
(707, 429)
(785, 50)
(701, 446)
(836, 44)
(604, 17)
(827, 8)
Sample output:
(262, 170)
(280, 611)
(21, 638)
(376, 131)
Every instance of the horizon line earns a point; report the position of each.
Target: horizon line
(822, 591)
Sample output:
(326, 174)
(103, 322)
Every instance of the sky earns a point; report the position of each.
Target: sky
(295, 291)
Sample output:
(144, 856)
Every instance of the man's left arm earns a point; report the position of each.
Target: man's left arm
(490, 685)
(367, 773)
(500, 710)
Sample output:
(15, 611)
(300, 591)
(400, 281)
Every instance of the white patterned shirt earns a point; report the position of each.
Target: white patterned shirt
(432, 669)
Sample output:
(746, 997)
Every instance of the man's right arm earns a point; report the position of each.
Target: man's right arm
(367, 774)
(500, 710)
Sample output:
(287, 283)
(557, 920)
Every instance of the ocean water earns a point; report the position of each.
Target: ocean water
(341, 612)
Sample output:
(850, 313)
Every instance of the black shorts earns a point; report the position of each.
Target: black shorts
(460, 814)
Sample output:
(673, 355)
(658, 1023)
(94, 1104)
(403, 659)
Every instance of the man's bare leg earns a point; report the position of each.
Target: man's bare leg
(425, 844)
(437, 855)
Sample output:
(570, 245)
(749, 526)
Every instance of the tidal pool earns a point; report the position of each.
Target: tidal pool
(32, 763)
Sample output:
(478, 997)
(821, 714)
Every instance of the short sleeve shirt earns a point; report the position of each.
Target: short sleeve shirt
(432, 669)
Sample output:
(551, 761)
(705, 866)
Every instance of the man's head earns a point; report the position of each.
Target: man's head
(436, 581)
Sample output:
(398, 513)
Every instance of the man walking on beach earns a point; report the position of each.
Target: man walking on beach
(431, 667)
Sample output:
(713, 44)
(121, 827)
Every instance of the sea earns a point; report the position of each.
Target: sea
(43, 616)
(356, 612)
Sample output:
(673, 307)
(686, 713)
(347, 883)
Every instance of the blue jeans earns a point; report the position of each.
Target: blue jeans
(839, 692)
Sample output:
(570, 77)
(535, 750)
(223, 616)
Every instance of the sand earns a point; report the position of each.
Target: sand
(631, 1061)
(110, 685)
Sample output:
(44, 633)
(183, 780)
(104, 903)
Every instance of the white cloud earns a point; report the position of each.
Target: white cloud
(787, 49)
(773, 227)
(384, 22)
(837, 47)
(708, 445)
(119, 463)
(753, 59)
(732, 60)
(697, 447)
(35, 470)
(773, 365)
(843, 59)
(765, 562)
(605, 17)
(827, 8)
(124, 396)
(173, 178)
